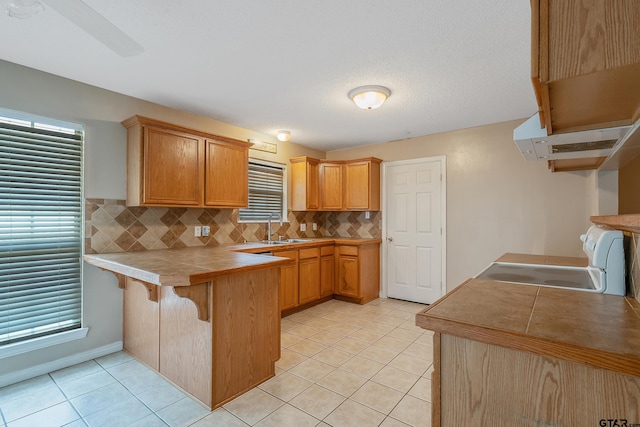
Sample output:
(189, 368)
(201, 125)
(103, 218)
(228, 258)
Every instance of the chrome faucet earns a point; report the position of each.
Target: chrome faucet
(269, 225)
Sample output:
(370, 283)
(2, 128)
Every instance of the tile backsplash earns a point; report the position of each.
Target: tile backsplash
(111, 226)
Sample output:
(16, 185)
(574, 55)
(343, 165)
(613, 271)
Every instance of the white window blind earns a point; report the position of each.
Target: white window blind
(266, 192)
(40, 227)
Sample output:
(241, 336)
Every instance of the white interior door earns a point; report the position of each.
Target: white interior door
(414, 229)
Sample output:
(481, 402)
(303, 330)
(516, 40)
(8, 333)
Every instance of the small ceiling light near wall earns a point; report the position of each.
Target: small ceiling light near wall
(369, 97)
(284, 135)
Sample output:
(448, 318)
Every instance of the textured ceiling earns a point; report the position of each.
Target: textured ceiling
(289, 64)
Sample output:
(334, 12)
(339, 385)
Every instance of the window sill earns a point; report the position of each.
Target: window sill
(10, 350)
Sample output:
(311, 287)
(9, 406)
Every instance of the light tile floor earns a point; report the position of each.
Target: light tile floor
(342, 365)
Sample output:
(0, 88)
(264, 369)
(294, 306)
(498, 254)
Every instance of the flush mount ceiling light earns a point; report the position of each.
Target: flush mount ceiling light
(283, 135)
(369, 97)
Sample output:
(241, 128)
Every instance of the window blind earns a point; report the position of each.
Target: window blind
(266, 193)
(40, 229)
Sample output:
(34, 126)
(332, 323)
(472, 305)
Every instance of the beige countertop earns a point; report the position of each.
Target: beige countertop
(187, 266)
(596, 329)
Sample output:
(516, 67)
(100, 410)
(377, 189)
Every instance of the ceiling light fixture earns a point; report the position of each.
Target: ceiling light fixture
(369, 97)
(284, 135)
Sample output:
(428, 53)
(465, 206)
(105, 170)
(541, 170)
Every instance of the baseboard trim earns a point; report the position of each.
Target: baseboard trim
(54, 365)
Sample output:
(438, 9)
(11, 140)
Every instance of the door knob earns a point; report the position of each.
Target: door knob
(390, 239)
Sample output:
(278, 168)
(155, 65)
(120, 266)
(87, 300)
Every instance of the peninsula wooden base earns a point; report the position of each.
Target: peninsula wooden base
(217, 359)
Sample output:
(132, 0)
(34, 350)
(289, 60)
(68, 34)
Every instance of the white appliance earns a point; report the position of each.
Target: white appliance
(534, 143)
(605, 273)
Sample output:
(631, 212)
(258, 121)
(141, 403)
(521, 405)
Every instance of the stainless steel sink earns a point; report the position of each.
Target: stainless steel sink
(283, 242)
(297, 240)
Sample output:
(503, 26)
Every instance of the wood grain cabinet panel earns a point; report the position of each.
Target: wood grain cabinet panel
(331, 189)
(309, 275)
(470, 388)
(327, 270)
(172, 168)
(288, 281)
(141, 324)
(362, 185)
(305, 190)
(358, 272)
(585, 63)
(168, 165)
(227, 174)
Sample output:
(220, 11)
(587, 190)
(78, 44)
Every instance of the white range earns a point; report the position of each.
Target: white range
(605, 274)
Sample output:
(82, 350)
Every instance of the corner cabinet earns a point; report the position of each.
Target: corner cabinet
(168, 165)
(335, 185)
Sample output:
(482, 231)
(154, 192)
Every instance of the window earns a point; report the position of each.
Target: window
(40, 226)
(267, 194)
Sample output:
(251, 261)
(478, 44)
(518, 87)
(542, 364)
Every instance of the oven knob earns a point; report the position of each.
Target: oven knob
(591, 245)
(583, 237)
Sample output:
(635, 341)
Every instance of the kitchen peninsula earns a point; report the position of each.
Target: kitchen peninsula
(207, 319)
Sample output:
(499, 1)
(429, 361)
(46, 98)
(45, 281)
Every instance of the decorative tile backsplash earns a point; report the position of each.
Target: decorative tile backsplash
(111, 226)
(632, 250)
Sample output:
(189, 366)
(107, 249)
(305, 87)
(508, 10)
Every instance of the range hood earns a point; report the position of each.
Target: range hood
(534, 143)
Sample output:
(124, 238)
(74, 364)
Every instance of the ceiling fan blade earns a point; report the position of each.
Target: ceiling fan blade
(97, 26)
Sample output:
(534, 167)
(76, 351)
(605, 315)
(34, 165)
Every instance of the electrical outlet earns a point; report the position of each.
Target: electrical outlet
(197, 231)
(314, 227)
(206, 230)
(303, 227)
(367, 215)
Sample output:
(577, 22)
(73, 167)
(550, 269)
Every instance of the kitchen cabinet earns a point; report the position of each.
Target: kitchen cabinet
(331, 186)
(327, 270)
(340, 185)
(309, 275)
(305, 191)
(358, 272)
(288, 280)
(226, 174)
(168, 165)
(362, 185)
(585, 63)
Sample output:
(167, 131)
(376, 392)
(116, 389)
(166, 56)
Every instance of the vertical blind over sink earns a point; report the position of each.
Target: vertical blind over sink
(266, 193)
(40, 230)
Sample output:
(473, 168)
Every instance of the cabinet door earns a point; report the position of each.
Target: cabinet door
(348, 280)
(331, 186)
(288, 281)
(227, 174)
(173, 168)
(309, 275)
(305, 192)
(327, 274)
(357, 189)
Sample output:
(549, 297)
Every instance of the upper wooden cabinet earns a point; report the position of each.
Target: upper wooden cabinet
(331, 188)
(226, 174)
(342, 185)
(168, 165)
(585, 63)
(305, 191)
(362, 185)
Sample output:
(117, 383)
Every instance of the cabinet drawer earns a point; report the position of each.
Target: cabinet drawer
(326, 250)
(309, 253)
(348, 250)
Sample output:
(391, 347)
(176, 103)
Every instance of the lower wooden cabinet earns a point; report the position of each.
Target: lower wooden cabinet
(288, 281)
(327, 270)
(350, 271)
(308, 275)
(358, 272)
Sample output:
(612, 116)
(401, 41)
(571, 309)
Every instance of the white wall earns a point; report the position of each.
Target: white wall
(101, 112)
(497, 202)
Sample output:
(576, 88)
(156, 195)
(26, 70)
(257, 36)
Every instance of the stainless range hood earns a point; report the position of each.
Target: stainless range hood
(534, 143)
